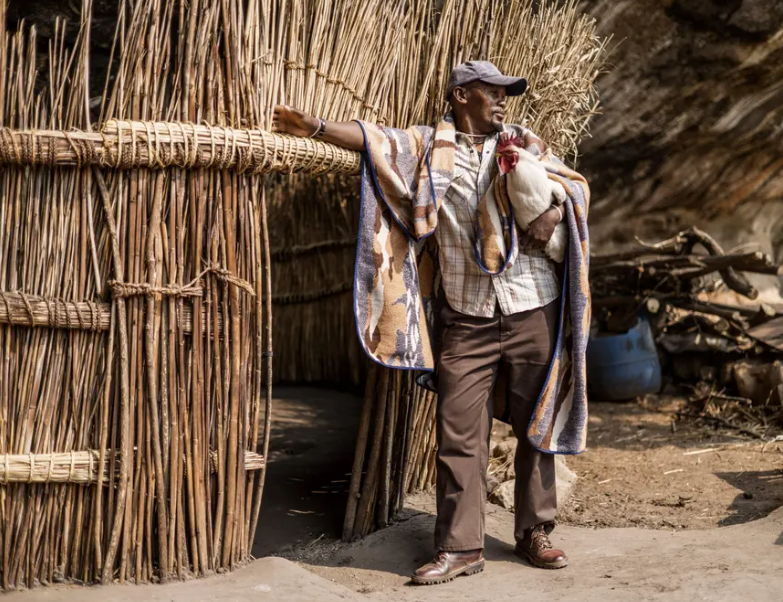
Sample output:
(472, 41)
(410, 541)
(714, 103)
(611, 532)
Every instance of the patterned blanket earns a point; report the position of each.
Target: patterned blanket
(405, 175)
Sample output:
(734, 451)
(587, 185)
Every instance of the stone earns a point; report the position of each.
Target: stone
(505, 449)
(760, 17)
(503, 496)
(758, 380)
(494, 480)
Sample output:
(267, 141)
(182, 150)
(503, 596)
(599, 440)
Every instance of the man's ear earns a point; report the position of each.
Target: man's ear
(459, 95)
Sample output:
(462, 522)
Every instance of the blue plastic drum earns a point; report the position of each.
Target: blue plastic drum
(623, 366)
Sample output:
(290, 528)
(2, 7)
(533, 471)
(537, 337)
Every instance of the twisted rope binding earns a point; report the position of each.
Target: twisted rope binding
(28, 307)
(226, 276)
(132, 289)
(7, 308)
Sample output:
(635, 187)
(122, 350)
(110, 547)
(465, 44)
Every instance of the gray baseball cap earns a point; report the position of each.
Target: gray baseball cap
(486, 72)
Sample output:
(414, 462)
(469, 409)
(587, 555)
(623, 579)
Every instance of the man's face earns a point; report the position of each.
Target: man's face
(483, 103)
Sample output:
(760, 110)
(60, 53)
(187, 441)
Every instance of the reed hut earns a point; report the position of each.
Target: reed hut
(144, 248)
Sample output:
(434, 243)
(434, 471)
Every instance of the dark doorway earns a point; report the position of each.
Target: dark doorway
(310, 459)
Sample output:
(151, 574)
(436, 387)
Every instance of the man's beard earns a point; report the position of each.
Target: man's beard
(497, 124)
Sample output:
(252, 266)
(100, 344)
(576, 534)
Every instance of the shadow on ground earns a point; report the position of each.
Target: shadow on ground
(408, 544)
(761, 495)
(311, 453)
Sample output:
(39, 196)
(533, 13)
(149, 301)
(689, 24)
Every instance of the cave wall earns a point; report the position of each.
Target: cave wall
(691, 130)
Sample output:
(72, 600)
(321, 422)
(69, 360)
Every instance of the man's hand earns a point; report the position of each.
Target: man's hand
(540, 230)
(287, 120)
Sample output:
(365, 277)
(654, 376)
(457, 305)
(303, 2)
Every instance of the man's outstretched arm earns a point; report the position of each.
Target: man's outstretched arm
(347, 134)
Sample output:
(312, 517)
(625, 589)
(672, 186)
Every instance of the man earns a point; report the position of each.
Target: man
(505, 317)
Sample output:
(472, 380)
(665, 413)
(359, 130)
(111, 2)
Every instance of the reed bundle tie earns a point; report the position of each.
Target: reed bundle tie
(309, 297)
(51, 467)
(84, 467)
(288, 253)
(161, 144)
(295, 66)
(52, 312)
(193, 288)
(226, 276)
(133, 289)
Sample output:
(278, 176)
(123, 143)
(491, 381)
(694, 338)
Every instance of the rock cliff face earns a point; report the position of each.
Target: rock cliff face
(692, 124)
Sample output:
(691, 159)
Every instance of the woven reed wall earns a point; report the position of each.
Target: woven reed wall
(170, 394)
(131, 335)
(313, 250)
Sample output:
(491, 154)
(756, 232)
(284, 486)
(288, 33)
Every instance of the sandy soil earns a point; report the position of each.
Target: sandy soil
(641, 471)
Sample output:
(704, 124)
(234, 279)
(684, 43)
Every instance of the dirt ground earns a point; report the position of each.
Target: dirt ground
(650, 519)
(729, 564)
(641, 471)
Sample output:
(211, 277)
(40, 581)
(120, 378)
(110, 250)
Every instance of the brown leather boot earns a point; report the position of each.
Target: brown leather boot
(449, 565)
(538, 550)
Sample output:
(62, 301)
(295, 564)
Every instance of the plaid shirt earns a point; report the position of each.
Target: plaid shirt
(531, 281)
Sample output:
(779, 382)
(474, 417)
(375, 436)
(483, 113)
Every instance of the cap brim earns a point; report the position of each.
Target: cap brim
(514, 86)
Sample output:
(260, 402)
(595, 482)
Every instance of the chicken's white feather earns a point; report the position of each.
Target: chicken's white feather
(531, 193)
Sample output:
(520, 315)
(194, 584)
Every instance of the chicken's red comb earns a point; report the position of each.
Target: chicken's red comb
(507, 141)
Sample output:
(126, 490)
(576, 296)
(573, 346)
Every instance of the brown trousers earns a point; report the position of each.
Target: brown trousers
(473, 351)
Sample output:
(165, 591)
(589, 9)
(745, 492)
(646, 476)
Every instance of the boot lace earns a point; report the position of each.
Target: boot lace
(539, 539)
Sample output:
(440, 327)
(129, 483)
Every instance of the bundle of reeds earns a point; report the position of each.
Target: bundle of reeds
(164, 400)
(54, 386)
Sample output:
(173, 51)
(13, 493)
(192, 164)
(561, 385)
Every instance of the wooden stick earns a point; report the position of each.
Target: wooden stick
(382, 517)
(125, 402)
(153, 232)
(268, 353)
(370, 479)
(359, 453)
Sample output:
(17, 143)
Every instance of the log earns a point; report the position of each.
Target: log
(735, 281)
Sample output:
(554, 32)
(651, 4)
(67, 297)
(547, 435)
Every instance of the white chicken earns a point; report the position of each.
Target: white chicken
(530, 191)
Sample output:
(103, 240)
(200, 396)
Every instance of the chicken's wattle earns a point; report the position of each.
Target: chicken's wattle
(508, 162)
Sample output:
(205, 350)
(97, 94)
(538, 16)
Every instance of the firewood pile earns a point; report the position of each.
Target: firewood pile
(725, 354)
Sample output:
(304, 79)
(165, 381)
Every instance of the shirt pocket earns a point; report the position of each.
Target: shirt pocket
(460, 191)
